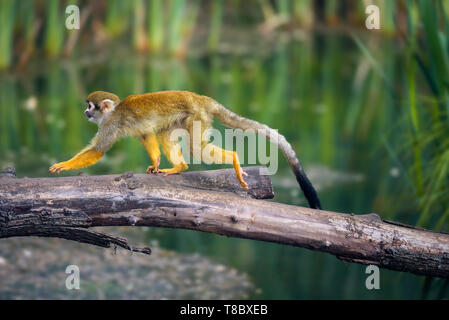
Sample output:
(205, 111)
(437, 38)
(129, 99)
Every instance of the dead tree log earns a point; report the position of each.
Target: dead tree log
(210, 201)
(61, 207)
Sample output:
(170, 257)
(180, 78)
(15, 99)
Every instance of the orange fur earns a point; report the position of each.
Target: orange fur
(151, 145)
(81, 160)
(151, 117)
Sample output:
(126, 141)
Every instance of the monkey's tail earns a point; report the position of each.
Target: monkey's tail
(233, 120)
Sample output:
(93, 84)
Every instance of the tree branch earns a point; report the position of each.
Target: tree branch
(213, 201)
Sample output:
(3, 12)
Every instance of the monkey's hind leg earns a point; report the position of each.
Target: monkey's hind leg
(151, 145)
(212, 152)
(219, 155)
(172, 151)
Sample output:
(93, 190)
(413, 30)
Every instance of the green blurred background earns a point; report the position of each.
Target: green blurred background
(366, 110)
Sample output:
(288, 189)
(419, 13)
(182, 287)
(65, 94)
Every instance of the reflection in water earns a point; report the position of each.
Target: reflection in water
(327, 102)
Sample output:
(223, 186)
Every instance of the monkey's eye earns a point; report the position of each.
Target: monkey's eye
(97, 107)
(91, 105)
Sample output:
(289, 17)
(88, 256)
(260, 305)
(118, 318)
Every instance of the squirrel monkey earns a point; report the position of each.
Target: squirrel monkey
(152, 116)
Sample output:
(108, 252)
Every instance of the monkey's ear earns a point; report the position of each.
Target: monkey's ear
(106, 105)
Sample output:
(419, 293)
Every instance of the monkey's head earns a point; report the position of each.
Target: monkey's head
(99, 104)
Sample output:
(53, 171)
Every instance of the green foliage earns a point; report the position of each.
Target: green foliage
(430, 121)
(424, 120)
(54, 31)
(374, 104)
(215, 25)
(156, 25)
(6, 32)
(117, 17)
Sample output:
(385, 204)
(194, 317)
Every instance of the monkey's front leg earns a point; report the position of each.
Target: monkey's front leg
(151, 145)
(172, 151)
(83, 159)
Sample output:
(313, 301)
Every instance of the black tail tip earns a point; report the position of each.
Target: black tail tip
(312, 197)
(316, 205)
(307, 188)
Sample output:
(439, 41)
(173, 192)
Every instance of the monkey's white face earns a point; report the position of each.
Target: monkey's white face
(96, 113)
(92, 112)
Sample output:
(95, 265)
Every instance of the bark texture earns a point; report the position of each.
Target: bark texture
(210, 201)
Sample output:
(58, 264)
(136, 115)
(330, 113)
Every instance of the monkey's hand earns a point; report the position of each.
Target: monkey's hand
(154, 168)
(58, 167)
(81, 160)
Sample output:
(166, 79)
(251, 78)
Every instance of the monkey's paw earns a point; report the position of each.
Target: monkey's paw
(170, 171)
(58, 167)
(152, 169)
(155, 167)
(240, 179)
